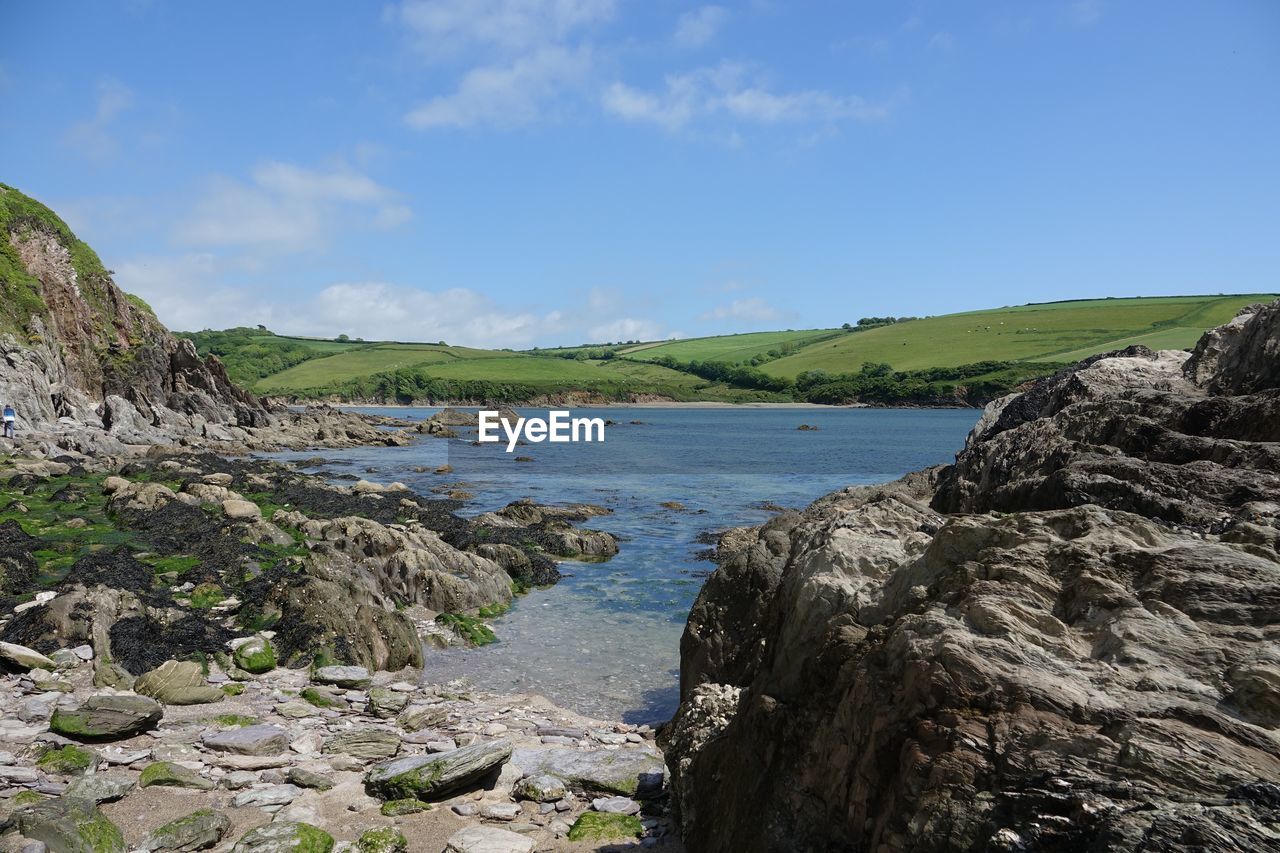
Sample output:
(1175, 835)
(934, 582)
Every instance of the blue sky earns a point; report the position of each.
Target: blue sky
(521, 172)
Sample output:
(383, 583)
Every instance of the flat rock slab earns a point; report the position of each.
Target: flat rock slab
(199, 830)
(250, 740)
(488, 839)
(21, 657)
(368, 743)
(107, 717)
(616, 805)
(626, 772)
(271, 795)
(285, 838)
(428, 777)
(99, 787)
(351, 677)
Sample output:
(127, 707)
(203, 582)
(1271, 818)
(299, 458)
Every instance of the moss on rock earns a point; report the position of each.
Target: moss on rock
(599, 826)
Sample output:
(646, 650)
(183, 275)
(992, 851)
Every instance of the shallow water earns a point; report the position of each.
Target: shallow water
(605, 640)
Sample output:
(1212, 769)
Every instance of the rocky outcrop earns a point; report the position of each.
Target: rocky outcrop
(1066, 640)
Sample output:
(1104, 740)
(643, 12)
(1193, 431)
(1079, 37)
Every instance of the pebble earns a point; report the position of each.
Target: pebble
(464, 809)
(616, 805)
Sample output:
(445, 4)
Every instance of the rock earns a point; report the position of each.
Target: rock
(238, 780)
(627, 772)
(270, 795)
(75, 826)
(285, 837)
(239, 510)
(250, 740)
(398, 808)
(296, 710)
(366, 743)
(68, 760)
(385, 703)
(108, 674)
(304, 778)
(178, 683)
(385, 839)
(430, 777)
(23, 658)
(597, 826)
(168, 774)
(99, 787)
(350, 677)
(199, 830)
(540, 789)
(256, 656)
(616, 805)
(420, 717)
(488, 839)
(107, 717)
(1062, 641)
(501, 811)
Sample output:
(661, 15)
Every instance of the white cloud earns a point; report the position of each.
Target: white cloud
(753, 309)
(724, 90)
(699, 26)
(627, 329)
(187, 293)
(444, 28)
(505, 95)
(1085, 13)
(285, 208)
(93, 137)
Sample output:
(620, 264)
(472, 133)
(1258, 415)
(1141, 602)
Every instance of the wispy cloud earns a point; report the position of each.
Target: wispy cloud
(94, 137)
(728, 90)
(285, 207)
(1085, 13)
(750, 309)
(699, 26)
(443, 29)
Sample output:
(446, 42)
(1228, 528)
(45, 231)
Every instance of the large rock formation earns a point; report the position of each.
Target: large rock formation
(1065, 641)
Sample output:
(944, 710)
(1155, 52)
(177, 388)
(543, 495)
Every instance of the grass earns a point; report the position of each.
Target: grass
(733, 349)
(1050, 332)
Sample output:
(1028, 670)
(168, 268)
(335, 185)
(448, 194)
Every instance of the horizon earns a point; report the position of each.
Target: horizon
(514, 173)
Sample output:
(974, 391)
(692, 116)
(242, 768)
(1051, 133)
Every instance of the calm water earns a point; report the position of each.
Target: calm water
(605, 640)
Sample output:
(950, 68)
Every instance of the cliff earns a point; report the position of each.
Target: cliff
(1067, 640)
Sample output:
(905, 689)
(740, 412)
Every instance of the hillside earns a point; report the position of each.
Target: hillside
(965, 358)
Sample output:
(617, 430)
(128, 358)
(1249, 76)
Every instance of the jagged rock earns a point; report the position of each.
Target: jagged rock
(178, 683)
(259, 739)
(285, 837)
(628, 772)
(1090, 666)
(199, 830)
(488, 839)
(431, 777)
(107, 717)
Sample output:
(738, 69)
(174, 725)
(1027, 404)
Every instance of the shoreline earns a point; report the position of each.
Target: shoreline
(669, 404)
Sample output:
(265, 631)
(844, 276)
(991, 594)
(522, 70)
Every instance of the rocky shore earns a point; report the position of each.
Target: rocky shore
(1067, 640)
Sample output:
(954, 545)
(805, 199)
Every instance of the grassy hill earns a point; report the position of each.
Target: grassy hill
(956, 358)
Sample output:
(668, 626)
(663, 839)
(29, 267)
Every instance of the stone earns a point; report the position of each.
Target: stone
(350, 677)
(305, 778)
(423, 717)
(199, 830)
(270, 795)
(99, 787)
(178, 683)
(398, 808)
(285, 837)
(239, 510)
(366, 743)
(68, 760)
(386, 839)
(107, 717)
(540, 789)
(501, 811)
(238, 780)
(75, 826)
(169, 774)
(598, 826)
(627, 772)
(261, 739)
(616, 805)
(296, 710)
(429, 777)
(23, 658)
(255, 656)
(386, 703)
(488, 839)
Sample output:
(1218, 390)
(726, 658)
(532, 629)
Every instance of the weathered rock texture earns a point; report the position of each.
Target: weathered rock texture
(1065, 641)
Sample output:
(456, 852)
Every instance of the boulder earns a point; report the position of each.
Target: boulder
(178, 683)
(432, 777)
(488, 839)
(107, 717)
(626, 772)
(541, 789)
(349, 677)
(99, 787)
(255, 656)
(239, 510)
(285, 837)
(368, 743)
(386, 839)
(386, 703)
(22, 658)
(170, 775)
(71, 825)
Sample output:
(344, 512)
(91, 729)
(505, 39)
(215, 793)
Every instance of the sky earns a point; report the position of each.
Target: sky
(511, 173)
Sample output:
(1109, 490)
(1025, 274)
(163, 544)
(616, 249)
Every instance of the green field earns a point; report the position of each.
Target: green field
(1051, 332)
(962, 357)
